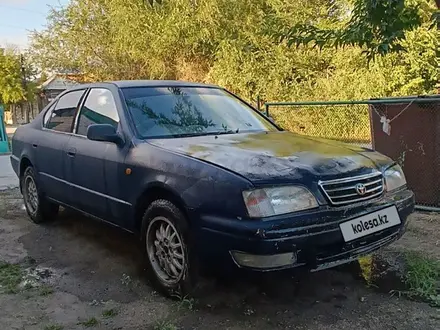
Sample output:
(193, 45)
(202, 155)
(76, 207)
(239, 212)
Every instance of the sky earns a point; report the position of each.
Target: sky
(17, 17)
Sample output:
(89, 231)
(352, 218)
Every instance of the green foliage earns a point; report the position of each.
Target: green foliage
(11, 90)
(349, 123)
(45, 290)
(109, 313)
(11, 78)
(187, 303)
(10, 277)
(92, 322)
(375, 25)
(230, 43)
(423, 278)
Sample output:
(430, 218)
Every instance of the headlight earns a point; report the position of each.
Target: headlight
(274, 201)
(394, 178)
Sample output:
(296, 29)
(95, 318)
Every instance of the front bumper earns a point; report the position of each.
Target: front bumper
(15, 164)
(310, 239)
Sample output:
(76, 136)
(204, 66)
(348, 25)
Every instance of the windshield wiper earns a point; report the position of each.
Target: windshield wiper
(207, 133)
(229, 131)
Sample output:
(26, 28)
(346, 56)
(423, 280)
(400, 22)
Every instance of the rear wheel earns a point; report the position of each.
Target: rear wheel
(167, 242)
(37, 206)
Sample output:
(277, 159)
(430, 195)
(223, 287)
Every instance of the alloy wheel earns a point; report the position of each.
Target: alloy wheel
(31, 194)
(165, 250)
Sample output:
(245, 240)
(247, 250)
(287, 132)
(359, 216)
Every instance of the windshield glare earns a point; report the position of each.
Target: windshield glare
(190, 111)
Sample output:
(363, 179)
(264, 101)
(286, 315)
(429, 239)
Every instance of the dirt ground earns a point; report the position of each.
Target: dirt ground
(87, 274)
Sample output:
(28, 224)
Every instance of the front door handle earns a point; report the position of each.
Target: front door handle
(34, 145)
(71, 152)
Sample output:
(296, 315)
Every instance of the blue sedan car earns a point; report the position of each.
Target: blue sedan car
(202, 178)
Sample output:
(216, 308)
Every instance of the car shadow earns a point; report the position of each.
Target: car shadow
(101, 262)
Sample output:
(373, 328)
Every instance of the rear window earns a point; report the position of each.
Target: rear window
(61, 118)
(190, 111)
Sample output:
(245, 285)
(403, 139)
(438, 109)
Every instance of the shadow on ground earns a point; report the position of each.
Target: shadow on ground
(98, 263)
(101, 263)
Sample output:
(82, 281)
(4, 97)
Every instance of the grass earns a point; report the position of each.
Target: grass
(45, 290)
(365, 263)
(10, 277)
(109, 313)
(53, 327)
(92, 322)
(187, 303)
(165, 325)
(423, 278)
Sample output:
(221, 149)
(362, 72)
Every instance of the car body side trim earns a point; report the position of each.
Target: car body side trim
(86, 189)
(90, 215)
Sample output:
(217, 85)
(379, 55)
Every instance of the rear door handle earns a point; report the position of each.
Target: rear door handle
(71, 152)
(34, 145)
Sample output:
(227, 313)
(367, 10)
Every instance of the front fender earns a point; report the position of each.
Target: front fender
(201, 186)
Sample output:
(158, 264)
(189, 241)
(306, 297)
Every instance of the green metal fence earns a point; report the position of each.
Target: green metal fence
(405, 129)
(4, 145)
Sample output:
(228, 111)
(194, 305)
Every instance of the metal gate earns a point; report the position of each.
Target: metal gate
(405, 129)
(4, 144)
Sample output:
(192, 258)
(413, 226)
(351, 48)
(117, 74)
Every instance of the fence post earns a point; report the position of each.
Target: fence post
(266, 106)
(258, 102)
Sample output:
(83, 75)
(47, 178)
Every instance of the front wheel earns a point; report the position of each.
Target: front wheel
(37, 206)
(166, 239)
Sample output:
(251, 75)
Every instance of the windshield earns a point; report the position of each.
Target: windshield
(190, 111)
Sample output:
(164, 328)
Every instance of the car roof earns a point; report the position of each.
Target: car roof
(146, 83)
(158, 83)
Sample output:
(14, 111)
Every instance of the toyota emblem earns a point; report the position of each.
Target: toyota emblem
(361, 189)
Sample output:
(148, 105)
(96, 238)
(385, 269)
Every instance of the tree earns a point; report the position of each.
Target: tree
(377, 26)
(11, 89)
(229, 42)
(16, 81)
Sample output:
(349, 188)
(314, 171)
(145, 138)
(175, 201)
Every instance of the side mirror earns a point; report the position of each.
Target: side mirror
(105, 133)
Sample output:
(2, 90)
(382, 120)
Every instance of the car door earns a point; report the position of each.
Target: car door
(50, 146)
(90, 162)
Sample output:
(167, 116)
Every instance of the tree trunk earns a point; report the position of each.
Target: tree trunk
(32, 111)
(21, 112)
(27, 113)
(14, 114)
(438, 3)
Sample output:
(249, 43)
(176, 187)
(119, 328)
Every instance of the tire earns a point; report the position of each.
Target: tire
(166, 240)
(37, 206)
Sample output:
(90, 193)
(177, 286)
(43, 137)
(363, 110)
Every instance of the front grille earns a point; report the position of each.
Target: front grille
(354, 189)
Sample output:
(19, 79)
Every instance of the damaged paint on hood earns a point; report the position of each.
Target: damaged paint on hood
(269, 156)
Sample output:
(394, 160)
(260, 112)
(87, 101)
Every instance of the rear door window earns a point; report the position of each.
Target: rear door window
(48, 114)
(61, 118)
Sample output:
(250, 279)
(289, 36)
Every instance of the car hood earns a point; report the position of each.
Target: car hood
(273, 156)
